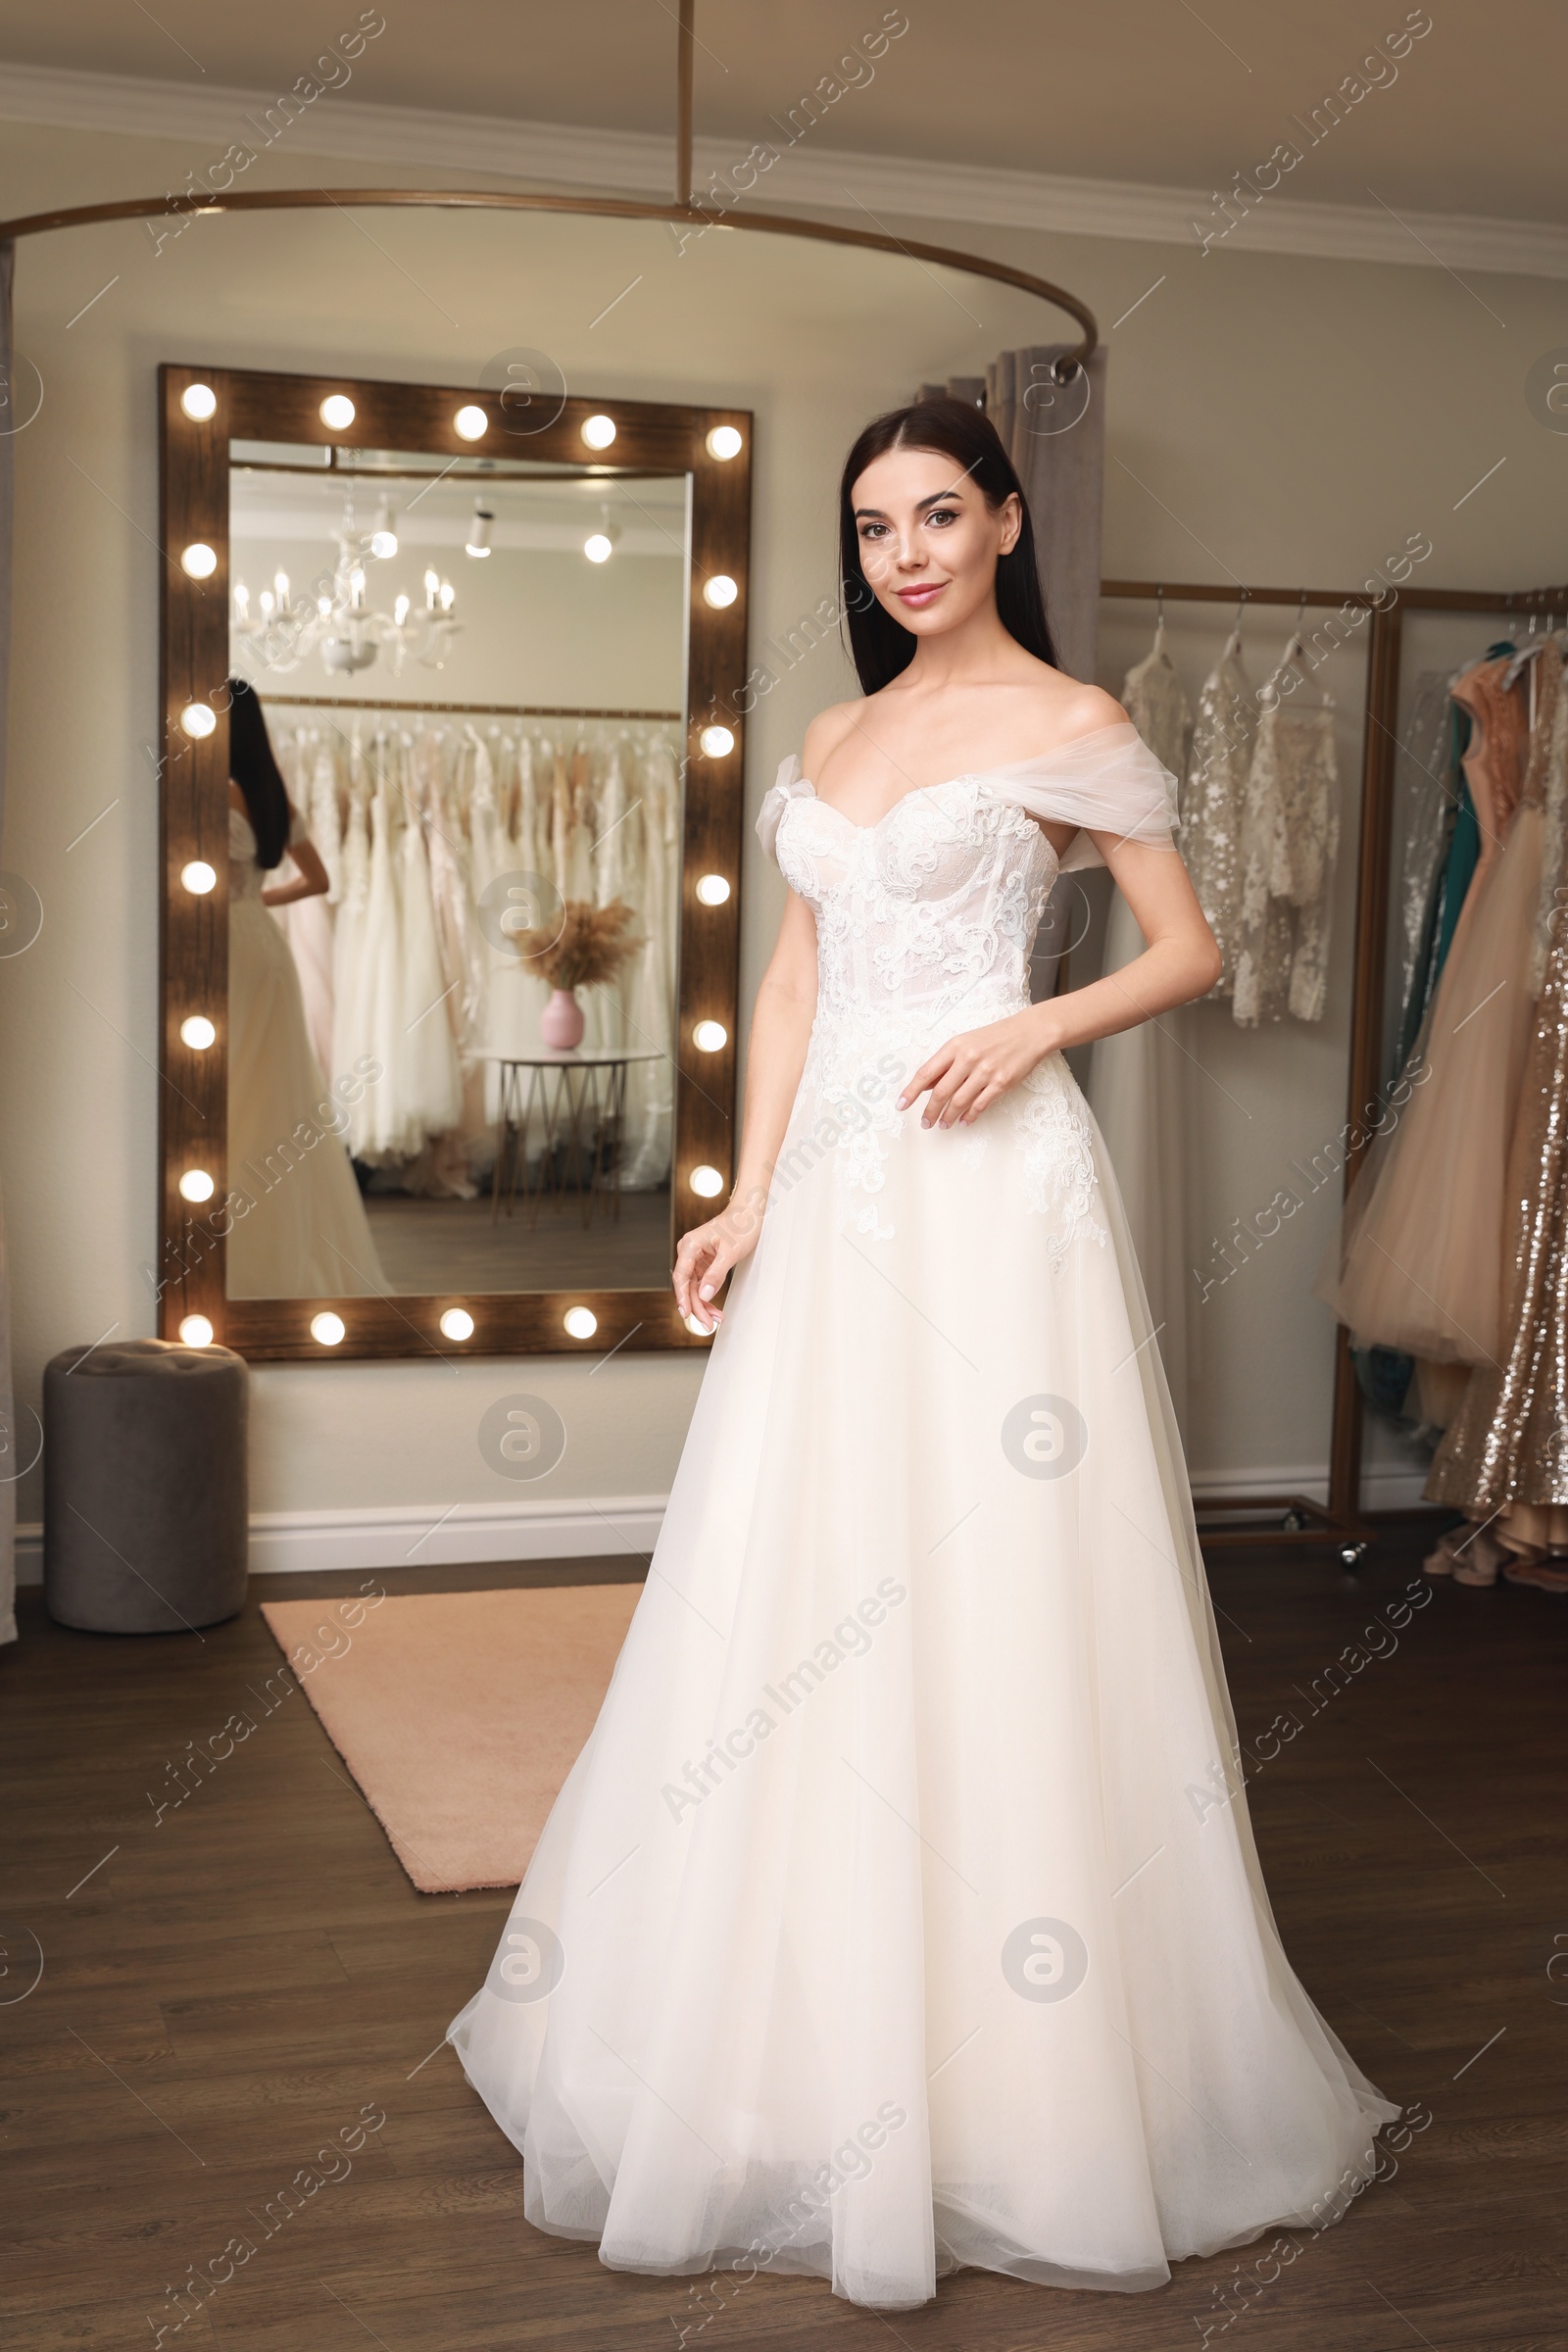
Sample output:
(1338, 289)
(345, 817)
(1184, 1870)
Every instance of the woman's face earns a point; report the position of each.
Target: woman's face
(929, 543)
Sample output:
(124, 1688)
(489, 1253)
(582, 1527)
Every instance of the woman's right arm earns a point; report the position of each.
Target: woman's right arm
(781, 1026)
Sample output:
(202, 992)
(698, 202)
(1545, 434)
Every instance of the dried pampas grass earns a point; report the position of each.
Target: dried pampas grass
(587, 947)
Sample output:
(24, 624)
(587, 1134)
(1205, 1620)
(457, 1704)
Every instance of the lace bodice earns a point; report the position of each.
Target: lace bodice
(924, 926)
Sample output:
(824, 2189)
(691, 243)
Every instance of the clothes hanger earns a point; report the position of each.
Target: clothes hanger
(1293, 659)
(1233, 642)
(1159, 651)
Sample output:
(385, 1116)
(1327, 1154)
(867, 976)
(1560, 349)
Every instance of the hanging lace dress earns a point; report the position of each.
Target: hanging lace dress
(650, 988)
(381, 1128)
(1290, 841)
(433, 1084)
(1213, 799)
(350, 1038)
(1138, 1079)
(307, 923)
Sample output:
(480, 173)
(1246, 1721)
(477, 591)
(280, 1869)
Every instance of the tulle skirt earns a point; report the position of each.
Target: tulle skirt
(902, 1910)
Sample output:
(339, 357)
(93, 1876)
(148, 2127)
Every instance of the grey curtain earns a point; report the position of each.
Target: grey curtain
(12, 1452)
(1056, 436)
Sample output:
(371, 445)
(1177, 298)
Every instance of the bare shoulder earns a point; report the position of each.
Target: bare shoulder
(1070, 708)
(826, 733)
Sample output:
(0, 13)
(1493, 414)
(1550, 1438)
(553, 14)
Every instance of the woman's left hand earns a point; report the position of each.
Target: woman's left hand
(970, 1072)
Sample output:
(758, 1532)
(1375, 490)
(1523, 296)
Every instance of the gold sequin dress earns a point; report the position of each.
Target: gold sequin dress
(1506, 1455)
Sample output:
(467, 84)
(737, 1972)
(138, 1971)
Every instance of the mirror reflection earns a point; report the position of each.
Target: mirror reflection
(458, 693)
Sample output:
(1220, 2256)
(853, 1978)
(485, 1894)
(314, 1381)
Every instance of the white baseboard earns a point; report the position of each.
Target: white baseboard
(419, 1535)
(1385, 1486)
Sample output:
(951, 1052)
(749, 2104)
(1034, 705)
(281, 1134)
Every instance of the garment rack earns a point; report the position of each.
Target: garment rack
(1341, 1522)
(350, 702)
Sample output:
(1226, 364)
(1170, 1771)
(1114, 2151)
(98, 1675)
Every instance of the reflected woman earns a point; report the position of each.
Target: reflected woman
(304, 1233)
(902, 1910)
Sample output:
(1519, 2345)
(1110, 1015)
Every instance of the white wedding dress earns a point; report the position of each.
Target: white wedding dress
(902, 1910)
(304, 1233)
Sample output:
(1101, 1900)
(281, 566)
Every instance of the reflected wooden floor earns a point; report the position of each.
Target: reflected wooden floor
(229, 1983)
(432, 1247)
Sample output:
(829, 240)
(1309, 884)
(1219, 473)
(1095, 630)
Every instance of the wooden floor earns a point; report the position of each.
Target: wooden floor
(231, 1988)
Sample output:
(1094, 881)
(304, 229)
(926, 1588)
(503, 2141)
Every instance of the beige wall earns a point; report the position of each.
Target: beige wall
(1275, 418)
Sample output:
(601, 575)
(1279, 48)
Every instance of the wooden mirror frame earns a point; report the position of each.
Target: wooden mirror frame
(651, 437)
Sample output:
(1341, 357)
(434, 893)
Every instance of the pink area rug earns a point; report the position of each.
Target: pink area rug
(458, 1714)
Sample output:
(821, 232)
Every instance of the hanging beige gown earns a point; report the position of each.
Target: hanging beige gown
(1417, 1262)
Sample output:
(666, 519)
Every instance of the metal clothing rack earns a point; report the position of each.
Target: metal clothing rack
(369, 708)
(1341, 1522)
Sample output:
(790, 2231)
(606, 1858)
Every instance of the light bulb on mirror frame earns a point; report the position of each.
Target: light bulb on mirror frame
(599, 431)
(328, 1330)
(199, 402)
(196, 1032)
(581, 1322)
(709, 1037)
(707, 1183)
(198, 561)
(457, 1324)
(716, 742)
(600, 545)
(196, 1331)
(711, 890)
(196, 1184)
(336, 412)
(470, 423)
(198, 877)
(719, 591)
(198, 720)
(699, 1331)
(724, 442)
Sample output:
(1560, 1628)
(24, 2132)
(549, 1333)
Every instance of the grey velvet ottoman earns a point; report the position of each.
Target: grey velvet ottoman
(145, 1515)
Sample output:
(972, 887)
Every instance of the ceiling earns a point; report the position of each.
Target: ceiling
(1156, 92)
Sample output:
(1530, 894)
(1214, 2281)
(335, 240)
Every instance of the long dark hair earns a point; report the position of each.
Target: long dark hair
(879, 643)
(256, 771)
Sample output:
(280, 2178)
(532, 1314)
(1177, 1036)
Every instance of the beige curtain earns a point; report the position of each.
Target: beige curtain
(11, 1447)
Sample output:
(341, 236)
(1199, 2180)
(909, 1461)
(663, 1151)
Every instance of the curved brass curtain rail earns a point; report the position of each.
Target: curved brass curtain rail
(602, 208)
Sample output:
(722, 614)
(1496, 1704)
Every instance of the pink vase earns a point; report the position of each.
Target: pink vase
(562, 1022)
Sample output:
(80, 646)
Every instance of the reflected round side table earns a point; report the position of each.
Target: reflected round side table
(569, 1105)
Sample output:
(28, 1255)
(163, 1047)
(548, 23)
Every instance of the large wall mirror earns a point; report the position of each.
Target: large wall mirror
(449, 1036)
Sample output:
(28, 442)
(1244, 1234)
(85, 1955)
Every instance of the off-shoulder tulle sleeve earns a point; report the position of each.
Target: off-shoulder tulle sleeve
(1107, 781)
(790, 785)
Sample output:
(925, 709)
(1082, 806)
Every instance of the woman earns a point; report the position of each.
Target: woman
(304, 1233)
(902, 1911)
